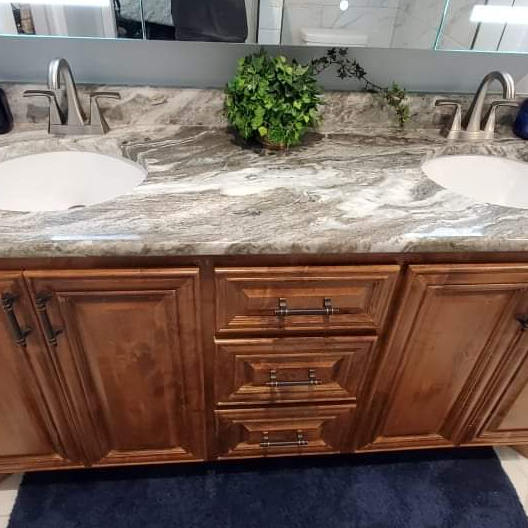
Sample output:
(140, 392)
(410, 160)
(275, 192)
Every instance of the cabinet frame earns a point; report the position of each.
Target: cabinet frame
(368, 412)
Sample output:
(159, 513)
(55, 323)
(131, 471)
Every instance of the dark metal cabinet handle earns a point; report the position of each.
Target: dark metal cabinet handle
(19, 334)
(299, 442)
(51, 333)
(274, 382)
(327, 309)
(523, 321)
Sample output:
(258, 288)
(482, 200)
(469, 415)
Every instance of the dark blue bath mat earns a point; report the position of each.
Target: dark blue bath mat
(448, 488)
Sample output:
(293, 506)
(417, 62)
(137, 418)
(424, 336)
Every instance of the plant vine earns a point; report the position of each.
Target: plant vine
(395, 96)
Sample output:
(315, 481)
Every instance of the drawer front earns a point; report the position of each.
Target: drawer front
(285, 370)
(283, 431)
(260, 300)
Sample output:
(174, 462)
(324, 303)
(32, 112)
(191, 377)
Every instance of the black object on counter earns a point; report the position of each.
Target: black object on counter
(520, 127)
(6, 118)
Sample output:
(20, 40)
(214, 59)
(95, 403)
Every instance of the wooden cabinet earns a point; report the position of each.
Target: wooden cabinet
(105, 367)
(128, 345)
(456, 326)
(33, 427)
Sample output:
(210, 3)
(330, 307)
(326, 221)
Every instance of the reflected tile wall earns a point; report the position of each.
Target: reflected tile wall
(417, 23)
(375, 18)
(270, 21)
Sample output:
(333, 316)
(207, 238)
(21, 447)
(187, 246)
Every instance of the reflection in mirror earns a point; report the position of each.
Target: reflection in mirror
(202, 20)
(494, 25)
(76, 18)
(480, 25)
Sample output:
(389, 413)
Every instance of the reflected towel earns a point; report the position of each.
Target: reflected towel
(210, 20)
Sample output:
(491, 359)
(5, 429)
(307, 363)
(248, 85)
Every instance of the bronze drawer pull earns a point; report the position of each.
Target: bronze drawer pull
(51, 333)
(523, 321)
(327, 309)
(19, 334)
(300, 442)
(274, 382)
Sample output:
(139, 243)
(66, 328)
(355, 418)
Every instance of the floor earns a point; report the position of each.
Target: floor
(514, 464)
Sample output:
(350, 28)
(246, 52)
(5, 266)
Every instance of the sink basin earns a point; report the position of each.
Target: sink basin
(488, 179)
(55, 181)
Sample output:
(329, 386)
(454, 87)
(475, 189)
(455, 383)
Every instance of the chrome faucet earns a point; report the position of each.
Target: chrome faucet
(474, 127)
(66, 115)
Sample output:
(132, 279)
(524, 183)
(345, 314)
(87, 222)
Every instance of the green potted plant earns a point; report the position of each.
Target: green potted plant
(274, 101)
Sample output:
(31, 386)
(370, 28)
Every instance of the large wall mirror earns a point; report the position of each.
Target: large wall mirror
(480, 25)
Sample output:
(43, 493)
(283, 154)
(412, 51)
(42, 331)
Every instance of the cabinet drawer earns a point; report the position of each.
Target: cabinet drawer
(318, 298)
(283, 431)
(286, 370)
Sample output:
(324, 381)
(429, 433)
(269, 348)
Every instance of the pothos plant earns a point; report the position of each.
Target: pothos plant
(272, 100)
(275, 101)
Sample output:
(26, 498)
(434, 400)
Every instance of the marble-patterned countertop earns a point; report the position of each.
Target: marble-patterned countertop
(342, 192)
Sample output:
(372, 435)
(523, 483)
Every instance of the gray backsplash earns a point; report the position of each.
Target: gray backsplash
(186, 106)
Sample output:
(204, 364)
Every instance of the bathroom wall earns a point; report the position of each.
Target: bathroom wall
(374, 18)
(203, 64)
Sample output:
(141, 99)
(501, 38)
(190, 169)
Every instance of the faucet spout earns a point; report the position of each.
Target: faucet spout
(60, 76)
(476, 109)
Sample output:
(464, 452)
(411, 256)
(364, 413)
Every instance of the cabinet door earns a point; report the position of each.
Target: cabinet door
(128, 343)
(502, 417)
(33, 430)
(455, 325)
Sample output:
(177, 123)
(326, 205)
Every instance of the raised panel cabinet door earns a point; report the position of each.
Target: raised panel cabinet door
(502, 417)
(456, 324)
(128, 342)
(33, 427)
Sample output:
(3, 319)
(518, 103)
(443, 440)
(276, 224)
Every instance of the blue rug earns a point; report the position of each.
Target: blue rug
(447, 488)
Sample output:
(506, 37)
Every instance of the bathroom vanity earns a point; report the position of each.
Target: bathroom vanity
(331, 299)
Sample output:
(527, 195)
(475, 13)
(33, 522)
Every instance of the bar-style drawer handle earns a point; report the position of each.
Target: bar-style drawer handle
(274, 382)
(19, 334)
(51, 333)
(300, 442)
(327, 309)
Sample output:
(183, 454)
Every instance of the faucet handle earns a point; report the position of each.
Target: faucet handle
(456, 125)
(447, 102)
(103, 95)
(55, 115)
(491, 117)
(96, 118)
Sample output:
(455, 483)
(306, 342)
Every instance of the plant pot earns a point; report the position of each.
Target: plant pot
(271, 146)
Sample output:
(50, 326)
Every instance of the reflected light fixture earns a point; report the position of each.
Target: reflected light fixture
(343, 5)
(83, 3)
(493, 14)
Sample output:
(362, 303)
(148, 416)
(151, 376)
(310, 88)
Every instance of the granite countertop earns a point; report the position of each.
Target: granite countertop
(342, 192)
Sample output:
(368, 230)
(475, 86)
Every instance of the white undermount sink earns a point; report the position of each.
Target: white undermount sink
(55, 181)
(490, 179)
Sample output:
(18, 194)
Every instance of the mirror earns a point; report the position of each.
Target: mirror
(470, 25)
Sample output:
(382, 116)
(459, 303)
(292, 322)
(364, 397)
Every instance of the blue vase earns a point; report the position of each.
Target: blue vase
(520, 126)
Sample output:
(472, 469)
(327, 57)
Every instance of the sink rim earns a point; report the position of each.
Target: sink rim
(450, 182)
(69, 153)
